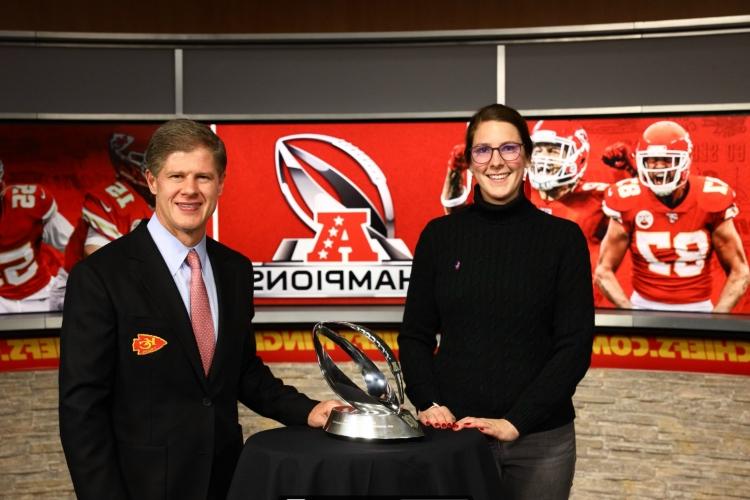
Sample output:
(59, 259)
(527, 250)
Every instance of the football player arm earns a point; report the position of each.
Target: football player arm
(457, 183)
(448, 191)
(728, 247)
(611, 252)
(57, 229)
(619, 156)
(94, 241)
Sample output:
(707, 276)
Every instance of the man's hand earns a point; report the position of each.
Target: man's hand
(619, 156)
(319, 414)
(499, 428)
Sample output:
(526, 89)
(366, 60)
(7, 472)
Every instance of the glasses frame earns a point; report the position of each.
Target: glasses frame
(492, 152)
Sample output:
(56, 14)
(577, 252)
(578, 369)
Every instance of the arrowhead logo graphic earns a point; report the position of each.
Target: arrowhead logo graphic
(146, 343)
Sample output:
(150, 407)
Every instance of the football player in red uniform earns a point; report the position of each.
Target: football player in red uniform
(672, 222)
(457, 184)
(28, 218)
(111, 209)
(558, 162)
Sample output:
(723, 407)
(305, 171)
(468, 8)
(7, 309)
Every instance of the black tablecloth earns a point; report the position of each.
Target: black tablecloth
(301, 461)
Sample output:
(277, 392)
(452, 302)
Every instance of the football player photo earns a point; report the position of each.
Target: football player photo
(111, 209)
(672, 222)
(556, 174)
(29, 220)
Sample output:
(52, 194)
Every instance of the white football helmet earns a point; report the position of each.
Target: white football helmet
(669, 144)
(560, 155)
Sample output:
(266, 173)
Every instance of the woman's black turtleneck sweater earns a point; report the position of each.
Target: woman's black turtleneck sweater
(508, 288)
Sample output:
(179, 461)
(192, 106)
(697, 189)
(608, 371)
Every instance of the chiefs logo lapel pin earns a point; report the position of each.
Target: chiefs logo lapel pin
(146, 343)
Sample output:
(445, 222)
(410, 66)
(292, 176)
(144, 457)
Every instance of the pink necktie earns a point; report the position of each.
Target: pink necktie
(200, 312)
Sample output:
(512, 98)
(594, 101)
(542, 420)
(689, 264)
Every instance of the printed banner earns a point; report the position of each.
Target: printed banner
(330, 212)
(345, 203)
(273, 346)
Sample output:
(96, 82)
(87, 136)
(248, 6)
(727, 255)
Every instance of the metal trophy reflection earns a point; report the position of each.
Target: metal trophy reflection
(376, 413)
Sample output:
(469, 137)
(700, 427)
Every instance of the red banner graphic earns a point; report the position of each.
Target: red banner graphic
(609, 351)
(330, 212)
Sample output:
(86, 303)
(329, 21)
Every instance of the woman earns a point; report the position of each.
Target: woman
(508, 288)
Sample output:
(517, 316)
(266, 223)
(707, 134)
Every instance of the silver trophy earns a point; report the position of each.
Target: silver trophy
(375, 413)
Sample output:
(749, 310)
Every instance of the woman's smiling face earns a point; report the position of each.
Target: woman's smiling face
(499, 180)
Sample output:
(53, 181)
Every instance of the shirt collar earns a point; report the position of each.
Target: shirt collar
(172, 250)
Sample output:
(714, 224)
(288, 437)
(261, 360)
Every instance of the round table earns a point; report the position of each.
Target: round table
(300, 462)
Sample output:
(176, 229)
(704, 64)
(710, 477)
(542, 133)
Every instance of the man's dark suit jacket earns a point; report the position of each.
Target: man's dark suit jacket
(153, 425)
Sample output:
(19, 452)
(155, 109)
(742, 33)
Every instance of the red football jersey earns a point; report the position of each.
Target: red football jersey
(25, 210)
(112, 210)
(671, 247)
(583, 206)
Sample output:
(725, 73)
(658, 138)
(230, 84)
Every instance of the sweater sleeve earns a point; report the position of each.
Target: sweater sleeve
(572, 330)
(417, 338)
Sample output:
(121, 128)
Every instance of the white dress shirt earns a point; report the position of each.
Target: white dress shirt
(174, 254)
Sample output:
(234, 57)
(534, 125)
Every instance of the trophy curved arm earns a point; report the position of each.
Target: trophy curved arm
(379, 392)
(387, 353)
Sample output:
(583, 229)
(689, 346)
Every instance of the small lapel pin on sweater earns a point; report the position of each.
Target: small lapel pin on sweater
(457, 265)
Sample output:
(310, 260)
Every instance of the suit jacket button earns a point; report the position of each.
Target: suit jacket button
(206, 401)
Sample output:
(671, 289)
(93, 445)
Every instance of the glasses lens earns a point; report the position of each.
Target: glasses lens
(510, 151)
(481, 154)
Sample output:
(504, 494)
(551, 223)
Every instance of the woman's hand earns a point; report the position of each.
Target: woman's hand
(499, 428)
(439, 417)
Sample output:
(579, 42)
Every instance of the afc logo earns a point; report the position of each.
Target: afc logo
(353, 251)
(342, 238)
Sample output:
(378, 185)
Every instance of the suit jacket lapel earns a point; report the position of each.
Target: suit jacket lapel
(155, 277)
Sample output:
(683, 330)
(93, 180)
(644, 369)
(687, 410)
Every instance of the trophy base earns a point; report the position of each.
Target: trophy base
(350, 423)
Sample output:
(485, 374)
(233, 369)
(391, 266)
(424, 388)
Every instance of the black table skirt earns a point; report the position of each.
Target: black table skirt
(300, 461)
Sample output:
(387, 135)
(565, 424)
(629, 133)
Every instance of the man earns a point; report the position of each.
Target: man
(109, 210)
(672, 222)
(157, 346)
(558, 163)
(28, 220)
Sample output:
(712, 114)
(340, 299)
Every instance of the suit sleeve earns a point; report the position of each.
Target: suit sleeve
(573, 333)
(261, 391)
(87, 361)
